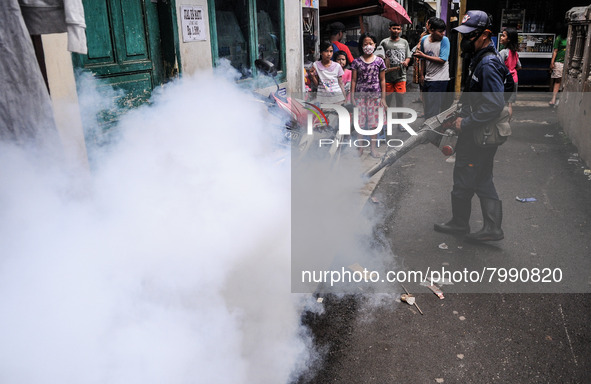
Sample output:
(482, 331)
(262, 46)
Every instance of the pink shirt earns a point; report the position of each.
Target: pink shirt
(511, 63)
(347, 76)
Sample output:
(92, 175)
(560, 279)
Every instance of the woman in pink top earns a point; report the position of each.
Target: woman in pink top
(509, 39)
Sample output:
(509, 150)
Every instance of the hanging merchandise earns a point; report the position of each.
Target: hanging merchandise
(57, 16)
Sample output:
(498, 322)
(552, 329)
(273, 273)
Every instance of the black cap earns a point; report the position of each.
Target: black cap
(474, 20)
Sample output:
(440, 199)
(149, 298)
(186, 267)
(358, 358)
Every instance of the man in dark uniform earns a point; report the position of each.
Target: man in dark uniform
(482, 103)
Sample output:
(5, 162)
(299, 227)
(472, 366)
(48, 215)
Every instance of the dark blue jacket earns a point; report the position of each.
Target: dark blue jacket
(483, 100)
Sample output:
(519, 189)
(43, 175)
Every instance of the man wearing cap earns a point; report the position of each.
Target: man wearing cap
(336, 31)
(482, 103)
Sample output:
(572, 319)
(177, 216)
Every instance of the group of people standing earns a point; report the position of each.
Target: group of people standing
(375, 78)
(378, 76)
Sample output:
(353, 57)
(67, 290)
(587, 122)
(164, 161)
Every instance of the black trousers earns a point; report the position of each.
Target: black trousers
(473, 170)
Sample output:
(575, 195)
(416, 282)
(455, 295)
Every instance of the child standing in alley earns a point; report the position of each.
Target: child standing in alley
(328, 77)
(509, 39)
(369, 82)
(341, 58)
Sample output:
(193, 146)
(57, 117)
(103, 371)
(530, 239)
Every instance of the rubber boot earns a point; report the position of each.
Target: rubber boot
(459, 224)
(492, 214)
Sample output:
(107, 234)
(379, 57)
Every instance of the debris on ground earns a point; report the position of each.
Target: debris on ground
(548, 135)
(443, 246)
(374, 200)
(587, 172)
(319, 300)
(356, 267)
(442, 281)
(436, 290)
(574, 158)
(525, 199)
(410, 299)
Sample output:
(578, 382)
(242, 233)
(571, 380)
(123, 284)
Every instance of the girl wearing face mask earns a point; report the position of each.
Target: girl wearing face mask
(368, 81)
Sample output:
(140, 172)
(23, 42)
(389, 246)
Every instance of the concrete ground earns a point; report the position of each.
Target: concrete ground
(479, 333)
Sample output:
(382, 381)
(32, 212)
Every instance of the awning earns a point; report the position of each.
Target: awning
(432, 4)
(395, 12)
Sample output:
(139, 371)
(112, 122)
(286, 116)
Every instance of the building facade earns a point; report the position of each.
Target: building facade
(137, 45)
(575, 101)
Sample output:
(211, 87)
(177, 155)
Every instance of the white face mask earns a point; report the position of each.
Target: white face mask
(368, 49)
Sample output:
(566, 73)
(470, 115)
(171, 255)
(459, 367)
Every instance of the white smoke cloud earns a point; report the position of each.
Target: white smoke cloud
(170, 263)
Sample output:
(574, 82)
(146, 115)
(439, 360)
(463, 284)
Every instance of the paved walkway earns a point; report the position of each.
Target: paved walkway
(526, 337)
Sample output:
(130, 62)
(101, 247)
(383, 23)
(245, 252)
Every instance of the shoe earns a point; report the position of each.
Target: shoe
(375, 155)
(459, 224)
(451, 159)
(492, 213)
(401, 128)
(551, 104)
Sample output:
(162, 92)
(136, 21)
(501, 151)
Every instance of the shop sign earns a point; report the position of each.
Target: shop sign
(193, 23)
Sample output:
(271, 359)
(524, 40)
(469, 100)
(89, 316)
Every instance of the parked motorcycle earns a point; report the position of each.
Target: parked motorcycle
(291, 112)
(298, 115)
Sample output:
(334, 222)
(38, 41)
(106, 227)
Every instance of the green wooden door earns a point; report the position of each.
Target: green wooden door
(123, 40)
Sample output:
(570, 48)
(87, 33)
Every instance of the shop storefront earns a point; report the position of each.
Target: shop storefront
(538, 22)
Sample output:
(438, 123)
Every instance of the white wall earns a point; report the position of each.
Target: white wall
(293, 45)
(195, 55)
(62, 87)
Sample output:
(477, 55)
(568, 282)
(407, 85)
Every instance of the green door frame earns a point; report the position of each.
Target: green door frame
(164, 44)
(169, 34)
(126, 60)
